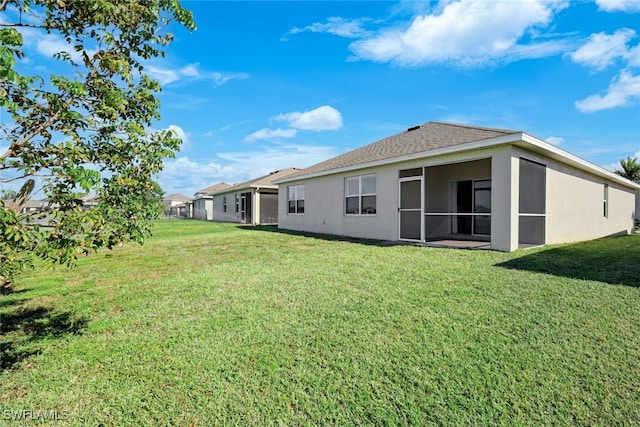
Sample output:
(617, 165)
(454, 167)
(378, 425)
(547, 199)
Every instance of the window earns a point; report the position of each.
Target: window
(224, 203)
(237, 203)
(360, 195)
(606, 201)
(295, 198)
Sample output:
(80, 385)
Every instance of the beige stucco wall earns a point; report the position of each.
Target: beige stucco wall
(324, 207)
(203, 209)
(504, 199)
(231, 215)
(574, 203)
(218, 208)
(575, 207)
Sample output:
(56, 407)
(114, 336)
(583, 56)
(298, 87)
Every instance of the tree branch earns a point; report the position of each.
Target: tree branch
(29, 137)
(20, 24)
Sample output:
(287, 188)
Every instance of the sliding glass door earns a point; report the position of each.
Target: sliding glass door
(472, 207)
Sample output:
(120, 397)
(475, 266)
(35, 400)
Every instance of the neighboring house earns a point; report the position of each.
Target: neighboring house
(441, 182)
(90, 202)
(175, 204)
(251, 202)
(188, 209)
(32, 206)
(202, 203)
(29, 206)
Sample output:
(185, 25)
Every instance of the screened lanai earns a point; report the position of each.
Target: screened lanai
(447, 203)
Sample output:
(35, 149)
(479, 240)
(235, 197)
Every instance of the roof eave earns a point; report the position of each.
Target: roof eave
(520, 138)
(474, 145)
(566, 157)
(245, 187)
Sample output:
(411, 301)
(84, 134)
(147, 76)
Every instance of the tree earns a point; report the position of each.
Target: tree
(84, 130)
(7, 194)
(630, 169)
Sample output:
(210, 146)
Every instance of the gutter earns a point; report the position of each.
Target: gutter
(521, 139)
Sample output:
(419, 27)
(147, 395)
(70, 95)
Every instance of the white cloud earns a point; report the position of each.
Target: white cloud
(167, 76)
(602, 49)
(264, 160)
(50, 44)
(612, 167)
(464, 33)
(619, 5)
(555, 140)
(337, 26)
(190, 71)
(266, 133)
(633, 56)
(180, 133)
(623, 90)
(187, 176)
(163, 75)
(221, 78)
(321, 118)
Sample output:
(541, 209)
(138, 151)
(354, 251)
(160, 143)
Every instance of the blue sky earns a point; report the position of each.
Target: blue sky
(261, 86)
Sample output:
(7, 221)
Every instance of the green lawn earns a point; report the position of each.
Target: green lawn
(213, 324)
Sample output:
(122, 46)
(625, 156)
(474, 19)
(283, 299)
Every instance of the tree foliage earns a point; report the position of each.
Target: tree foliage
(7, 194)
(84, 130)
(630, 169)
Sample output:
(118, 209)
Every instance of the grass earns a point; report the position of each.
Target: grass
(213, 324)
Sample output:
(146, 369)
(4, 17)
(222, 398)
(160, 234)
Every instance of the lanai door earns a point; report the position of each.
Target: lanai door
(411, 209)
(245, 208)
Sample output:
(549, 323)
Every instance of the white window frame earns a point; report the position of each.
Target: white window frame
(360, 195)
(224, 203)
(296, 192)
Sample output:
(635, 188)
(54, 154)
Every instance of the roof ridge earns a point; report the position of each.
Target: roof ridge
(505, 131)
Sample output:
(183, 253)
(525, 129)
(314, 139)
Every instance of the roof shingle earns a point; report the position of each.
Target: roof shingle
(176, 198)
(212, 189)
(417, 139)
(263, 181)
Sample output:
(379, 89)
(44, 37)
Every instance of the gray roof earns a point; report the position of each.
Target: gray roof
(34, 204)
(418, 139)
(175, 197)
(263, 181)
(212, 189)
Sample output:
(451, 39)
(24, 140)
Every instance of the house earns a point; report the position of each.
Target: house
(33, 206)
(251, 202)
(175, 204)
(201, 207)
(89, 202)
(188, 209)
(447, 183)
